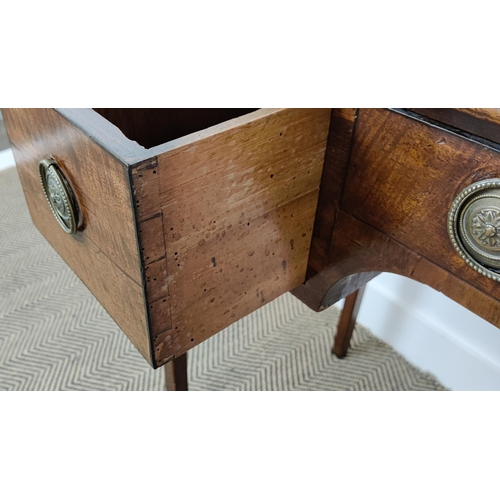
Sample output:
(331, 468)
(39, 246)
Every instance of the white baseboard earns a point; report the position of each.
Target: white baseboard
(432, 332)
(6, 159)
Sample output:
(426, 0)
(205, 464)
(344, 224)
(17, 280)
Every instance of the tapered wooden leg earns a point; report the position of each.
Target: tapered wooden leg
(176, 374)
(347, 322)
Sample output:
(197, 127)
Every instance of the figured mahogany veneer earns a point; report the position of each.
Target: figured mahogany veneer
(104, 255)
(184, 238)
(399, 179)
(195, 218)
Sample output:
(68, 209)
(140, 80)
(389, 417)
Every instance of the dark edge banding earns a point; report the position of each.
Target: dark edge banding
(104, 133)
(112, 139)
(130, 169)
(346, 174)
(317, 222)
(448, 128)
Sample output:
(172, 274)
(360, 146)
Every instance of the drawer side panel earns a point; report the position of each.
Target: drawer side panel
(237, 212)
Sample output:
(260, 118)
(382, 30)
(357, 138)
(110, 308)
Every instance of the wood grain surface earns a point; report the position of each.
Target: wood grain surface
(483, 122)
(179, 244)
(403, 177)
(154, 126)
(176, 374)
(332, 181)
(347, 322)
(225, 222)
(184, 239)
(104, 255)
(359, 250)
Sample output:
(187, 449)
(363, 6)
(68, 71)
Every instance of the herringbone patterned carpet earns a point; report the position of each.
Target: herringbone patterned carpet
(55, 336)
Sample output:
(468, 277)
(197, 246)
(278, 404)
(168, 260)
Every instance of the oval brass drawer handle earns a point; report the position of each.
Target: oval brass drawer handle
(474, 226)
(59, 195)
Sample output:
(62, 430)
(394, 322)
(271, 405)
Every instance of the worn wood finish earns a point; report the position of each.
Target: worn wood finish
(151, 127)
(358, 248)
(403, 177)
(176, 375)
(104, 255)
(347, 322)
(340, 140)
(332, 180)
(226, 222)
(184, 239)
(483, 122)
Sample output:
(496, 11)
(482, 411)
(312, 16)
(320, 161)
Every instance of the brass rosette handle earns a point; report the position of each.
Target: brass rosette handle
(59, 195)
(474, 227)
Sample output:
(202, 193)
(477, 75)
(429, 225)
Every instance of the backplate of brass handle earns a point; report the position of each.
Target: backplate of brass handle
(474, 226)
(59, 195)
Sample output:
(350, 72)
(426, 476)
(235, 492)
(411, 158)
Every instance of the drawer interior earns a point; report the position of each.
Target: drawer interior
(151, 127)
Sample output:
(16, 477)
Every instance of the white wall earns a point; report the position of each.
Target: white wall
(6, 159)
(433, 332)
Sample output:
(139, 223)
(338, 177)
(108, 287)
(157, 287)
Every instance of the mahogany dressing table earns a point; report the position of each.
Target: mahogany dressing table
(182, 221)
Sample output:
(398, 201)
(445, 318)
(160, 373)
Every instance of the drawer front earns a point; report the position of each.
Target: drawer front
(104, 254)
(403, 177)
(183, 239)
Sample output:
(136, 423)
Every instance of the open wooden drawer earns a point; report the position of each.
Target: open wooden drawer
(186, 220)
